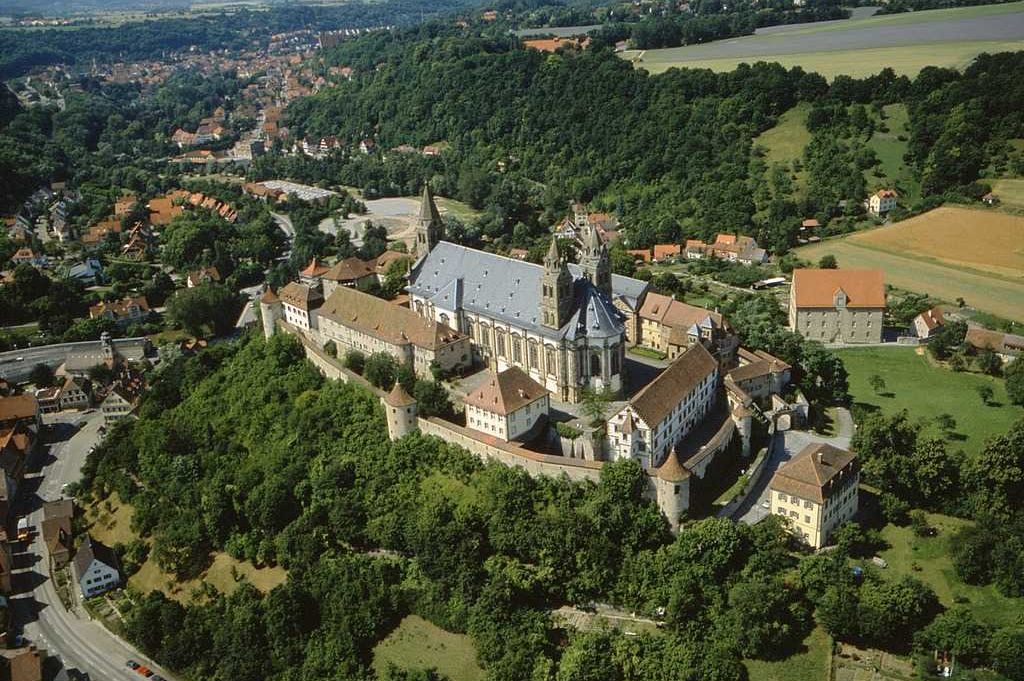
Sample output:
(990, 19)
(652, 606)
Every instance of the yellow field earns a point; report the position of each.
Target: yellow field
(950, 253)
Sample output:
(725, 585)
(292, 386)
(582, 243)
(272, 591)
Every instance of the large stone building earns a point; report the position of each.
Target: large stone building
(650, 425)
(671, 326)
(359, 321)
(563, 324)
(817, 491)
(838, 306)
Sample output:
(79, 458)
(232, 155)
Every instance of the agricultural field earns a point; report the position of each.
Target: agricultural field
(925, 390)
(928, 559)
(418, 644)
(1010, 192)
(860, 47)
(948, 253)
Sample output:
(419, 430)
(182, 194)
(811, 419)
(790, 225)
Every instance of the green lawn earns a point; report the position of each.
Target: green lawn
(787, 139)
(925, 391)
(418, 644)
(1010, 192)
(930, 555)
(890, 150)
(812, 664)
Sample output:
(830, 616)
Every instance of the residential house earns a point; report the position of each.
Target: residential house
(26, 256)
(300, 303)
(666, 252)
(671, 326)
(1008, 346)
(16, 444)
(117, 406)
(383, 263)
(183, 138)
(929, 322)
(882, 201)
(163, 209)
(580, 220)
(838, 306)
(816, 491)
(97, 569)
(89, 272)
(759, 374)
(21, 664)
(730, 247)
(367, 146)
(990, 199)
(350, 272)
(508, 405)
(20, 409)
(124, 311)
(666, 410)
(73, 395)
(206, 275)
(56, 530)
(358, 321)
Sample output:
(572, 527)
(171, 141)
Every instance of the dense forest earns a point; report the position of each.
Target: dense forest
(245, 448)
(671, 153)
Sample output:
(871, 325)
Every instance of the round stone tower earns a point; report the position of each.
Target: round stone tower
(672, 489)
(270, 311)
(401, 411)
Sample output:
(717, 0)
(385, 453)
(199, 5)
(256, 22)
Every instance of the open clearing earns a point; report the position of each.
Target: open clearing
(949, 252)
(890, 150)
(811, 664)
(418, 644)
(931, 557)
(859, 47)
(913, 383)
(786, 140)
(1010, 192)
(110, 522)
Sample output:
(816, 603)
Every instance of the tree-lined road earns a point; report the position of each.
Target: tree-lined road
(39, 615)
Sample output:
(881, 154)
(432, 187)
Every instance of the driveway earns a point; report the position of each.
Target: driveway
(37, 611)
(780, 450)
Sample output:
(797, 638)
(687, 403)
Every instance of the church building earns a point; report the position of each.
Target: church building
(563, 324)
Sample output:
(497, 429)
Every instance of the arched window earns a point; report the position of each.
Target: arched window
(531, 353)
(517, 349)
(445, 319)
(616, 360)
(499, 338)
(595, 364)
(485, 336)
(551, 360)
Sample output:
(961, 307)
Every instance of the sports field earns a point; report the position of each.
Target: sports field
(949, 253)
(860, 47)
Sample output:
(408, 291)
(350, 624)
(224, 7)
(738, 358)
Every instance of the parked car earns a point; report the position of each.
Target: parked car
(145, 671)
(132, 664)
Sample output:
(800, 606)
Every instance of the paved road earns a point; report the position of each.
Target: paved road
(38, 613)
(782, 447)
(285, 223)
(17, 370)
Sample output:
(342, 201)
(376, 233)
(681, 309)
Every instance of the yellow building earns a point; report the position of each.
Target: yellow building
(816, 491)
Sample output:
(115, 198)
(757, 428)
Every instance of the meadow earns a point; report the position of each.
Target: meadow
(914, 383)
(862, 46)
(416, 644)
(948, 253)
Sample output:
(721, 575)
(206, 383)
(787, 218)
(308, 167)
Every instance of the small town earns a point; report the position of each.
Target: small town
(555, 341)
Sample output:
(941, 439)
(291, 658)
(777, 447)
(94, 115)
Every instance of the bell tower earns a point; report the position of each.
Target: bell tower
(595, 262)
(555, 290)
(429, 227)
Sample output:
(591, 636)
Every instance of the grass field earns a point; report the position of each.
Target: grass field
(905, 60)
(785, 142)
(948, 253)
(925, 391)
(859, 47)
(890, 150)
(1010, 192)
(932, 558)
(418, 644)
(112, 525)
(810, 665)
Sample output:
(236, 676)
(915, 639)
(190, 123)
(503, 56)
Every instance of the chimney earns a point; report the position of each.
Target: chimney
(820, 457)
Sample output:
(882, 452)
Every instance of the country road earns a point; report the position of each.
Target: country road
(38, 614)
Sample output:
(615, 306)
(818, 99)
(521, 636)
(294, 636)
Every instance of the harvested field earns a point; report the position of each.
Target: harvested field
(949, 253)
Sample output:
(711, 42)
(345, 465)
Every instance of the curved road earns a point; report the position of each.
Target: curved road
(38, 613)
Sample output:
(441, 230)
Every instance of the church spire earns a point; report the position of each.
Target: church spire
(595, 261)
(429, 227)
(556, 295)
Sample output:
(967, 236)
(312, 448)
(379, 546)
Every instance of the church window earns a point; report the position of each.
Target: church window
(517, 350)
(485, 336)
(595, 364)
(615, 360)
(499, 337)
(445, 319)
(532, 354)
(550, 359)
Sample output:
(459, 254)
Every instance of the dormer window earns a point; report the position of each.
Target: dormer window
(840, 298)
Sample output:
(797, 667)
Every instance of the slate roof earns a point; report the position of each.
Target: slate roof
(808, 477)
(93, 550)
(507, 289)
(659, 397)
(506, 392)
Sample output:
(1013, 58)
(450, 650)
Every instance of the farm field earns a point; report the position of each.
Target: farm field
(859, 47)
(931, 557)
(913, 383)
(948, 253)
(1010, 192)
(418, 644)
(812, 664)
